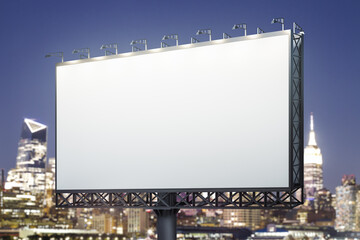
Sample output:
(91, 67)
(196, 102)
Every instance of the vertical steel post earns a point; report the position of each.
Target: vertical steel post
(166, 218)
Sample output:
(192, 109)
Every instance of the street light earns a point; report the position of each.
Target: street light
(111, 45)
(259, 30)
(139, 41)
(204, 31)
(226, 36)
(172, 36)
(297, 27)
(80, 51)
(56, 54)
(279, 20)
(240, 26)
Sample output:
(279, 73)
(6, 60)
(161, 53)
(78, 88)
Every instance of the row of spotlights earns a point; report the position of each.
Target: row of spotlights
(85, 52)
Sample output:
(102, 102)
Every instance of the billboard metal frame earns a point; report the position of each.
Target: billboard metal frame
(218, 198)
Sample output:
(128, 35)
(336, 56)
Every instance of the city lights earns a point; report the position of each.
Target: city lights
(28, 199)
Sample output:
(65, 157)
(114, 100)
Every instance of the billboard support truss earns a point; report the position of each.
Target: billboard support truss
(261, 198)
(208, 200)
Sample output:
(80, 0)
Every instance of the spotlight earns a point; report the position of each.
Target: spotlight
(240, 26)
(56, 54)
(140, 41)
(80, 51)
(279, 20)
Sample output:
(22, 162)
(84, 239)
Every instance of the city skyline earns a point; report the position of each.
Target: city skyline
(32, 29)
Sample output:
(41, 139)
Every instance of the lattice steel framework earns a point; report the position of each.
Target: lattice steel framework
(297, 110)
(262, 198)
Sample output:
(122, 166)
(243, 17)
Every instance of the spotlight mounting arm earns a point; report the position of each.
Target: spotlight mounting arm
(298, 28)
(172, 36)
(80, 51)
(279, 20)
(204, 31)
(259, 31)
(56, 54)
(240, 26)
(226, 36)
(107, 46)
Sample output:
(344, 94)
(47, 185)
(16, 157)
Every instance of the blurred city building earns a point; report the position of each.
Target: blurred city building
(27, 201)
(249, 218)
(346, 204)
(209, 218)
(29, 174)
(27, 196)
(291, 232)
(137, 221)
(324, 210)
(313, 172)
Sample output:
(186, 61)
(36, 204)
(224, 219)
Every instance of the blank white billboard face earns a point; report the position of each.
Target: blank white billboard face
(200, 116)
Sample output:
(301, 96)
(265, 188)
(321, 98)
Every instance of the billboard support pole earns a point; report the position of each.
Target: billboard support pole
(166, 218)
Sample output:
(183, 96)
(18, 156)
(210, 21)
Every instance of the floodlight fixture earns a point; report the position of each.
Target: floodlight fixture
(80, 51)
(164, 45)
(259, 30)
(240, 26)
(204, 31)
(172, 36)
(111, 45)
(194, 40)
(279, 20)
(297, 27)
(56, 54)
(139, 41)
(226, 36)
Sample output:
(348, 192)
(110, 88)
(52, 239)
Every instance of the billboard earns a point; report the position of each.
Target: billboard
(195, 117)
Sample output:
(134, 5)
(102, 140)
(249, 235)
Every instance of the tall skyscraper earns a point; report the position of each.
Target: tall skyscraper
(346, 204)
(313, 172)
(29, 174)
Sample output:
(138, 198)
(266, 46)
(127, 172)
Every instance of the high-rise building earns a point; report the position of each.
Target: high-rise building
(29, 174)
(138, 221)
(324, 211)
(346, 204)
(357, 214)
(323, 200)
(313, 172)
(50, 185)
(249, 218)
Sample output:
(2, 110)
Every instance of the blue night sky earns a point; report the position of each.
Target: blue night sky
(30, 29)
